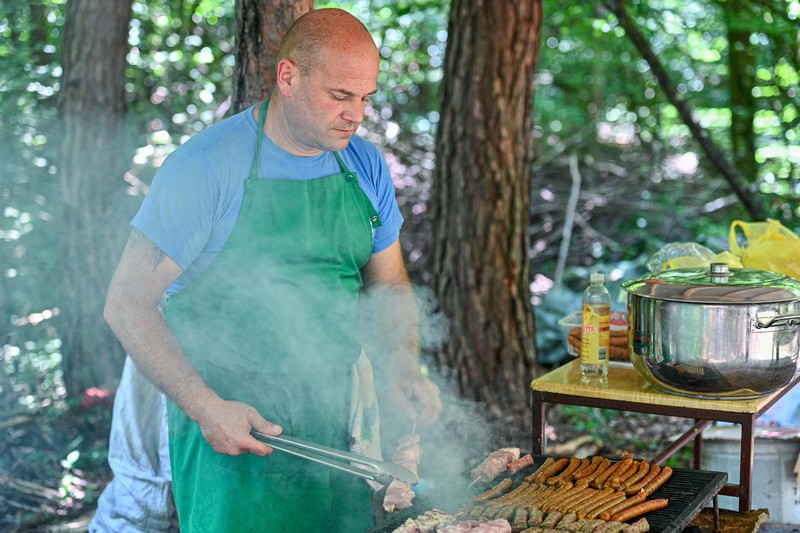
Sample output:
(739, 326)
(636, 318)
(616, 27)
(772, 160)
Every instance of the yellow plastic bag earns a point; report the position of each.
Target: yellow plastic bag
(691, 262)
(767, 246)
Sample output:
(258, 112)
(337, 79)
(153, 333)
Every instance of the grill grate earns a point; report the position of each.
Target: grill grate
(688, 491)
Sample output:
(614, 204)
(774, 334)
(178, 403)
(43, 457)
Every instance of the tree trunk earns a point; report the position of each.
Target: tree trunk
(741, 80)
(91, 106)
(260, 26)
(480, 202)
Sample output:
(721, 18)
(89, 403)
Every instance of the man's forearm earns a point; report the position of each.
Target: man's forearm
(145, 335)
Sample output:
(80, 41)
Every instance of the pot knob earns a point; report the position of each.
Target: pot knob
(720, 273)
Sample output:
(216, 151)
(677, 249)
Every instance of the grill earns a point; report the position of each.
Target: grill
(688, 491)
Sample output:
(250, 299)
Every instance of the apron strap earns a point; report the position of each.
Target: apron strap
(262, 116)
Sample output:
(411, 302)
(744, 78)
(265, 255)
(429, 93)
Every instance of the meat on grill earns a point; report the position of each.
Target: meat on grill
(399, 493)
(427, 522)
(495, 463)
(492, 526)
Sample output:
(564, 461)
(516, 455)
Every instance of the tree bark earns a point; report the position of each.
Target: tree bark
(480, 268)
(739, 184)
(91, 105)
(741, 66)
(260, 26)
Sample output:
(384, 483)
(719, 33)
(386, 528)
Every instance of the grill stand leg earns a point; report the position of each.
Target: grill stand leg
(717, 528)
(746, 466)
(538, 444)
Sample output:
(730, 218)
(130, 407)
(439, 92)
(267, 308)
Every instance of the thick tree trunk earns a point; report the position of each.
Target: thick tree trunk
(260, 26)
(92, 161)
(741, 65)
(480, 266)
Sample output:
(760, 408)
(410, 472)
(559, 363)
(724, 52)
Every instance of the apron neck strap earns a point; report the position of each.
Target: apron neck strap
(262, 117)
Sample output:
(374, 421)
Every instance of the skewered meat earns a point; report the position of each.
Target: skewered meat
(495, 463)
(399, 493)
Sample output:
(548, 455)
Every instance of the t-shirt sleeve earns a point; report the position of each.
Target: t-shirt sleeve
(178, 211)
(378, 186)
(388, 210)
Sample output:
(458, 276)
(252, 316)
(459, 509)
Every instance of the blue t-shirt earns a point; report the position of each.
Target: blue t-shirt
(196, 195)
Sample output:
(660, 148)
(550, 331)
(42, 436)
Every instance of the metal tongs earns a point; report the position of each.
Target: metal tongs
(379, 471)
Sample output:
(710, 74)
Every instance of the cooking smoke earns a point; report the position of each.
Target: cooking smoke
(451, 445)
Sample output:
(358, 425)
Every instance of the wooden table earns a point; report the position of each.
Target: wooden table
(625, 390)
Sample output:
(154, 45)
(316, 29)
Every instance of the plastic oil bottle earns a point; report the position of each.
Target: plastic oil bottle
(596, 324)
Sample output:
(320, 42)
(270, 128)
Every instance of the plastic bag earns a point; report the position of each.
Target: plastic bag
(767, 246)
(687, 262)
(688, 254)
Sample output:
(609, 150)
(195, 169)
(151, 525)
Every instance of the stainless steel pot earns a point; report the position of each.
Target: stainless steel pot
(715, 333)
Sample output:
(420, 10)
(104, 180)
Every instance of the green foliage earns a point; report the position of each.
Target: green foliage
(594, 95)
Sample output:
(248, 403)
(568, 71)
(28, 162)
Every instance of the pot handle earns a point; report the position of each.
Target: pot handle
(789, 320)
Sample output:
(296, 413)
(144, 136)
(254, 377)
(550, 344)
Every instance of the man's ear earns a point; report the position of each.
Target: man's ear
(287, 76)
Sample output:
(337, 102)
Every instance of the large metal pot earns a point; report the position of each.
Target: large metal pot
(715, 333)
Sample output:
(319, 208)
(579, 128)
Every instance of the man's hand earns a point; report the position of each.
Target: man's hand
(226, 426)
(418, 397)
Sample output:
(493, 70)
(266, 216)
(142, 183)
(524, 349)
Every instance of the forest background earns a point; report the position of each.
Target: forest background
(651, 122)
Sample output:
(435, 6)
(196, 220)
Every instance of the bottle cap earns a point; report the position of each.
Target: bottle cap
(596, 277)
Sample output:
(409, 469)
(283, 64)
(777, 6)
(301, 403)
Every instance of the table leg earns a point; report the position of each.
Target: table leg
(537, 446)
(698, 450)
(746, 465)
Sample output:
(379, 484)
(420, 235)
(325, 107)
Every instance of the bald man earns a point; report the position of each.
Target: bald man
(262, 231)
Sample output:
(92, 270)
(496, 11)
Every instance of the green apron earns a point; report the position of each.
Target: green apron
(271, 324)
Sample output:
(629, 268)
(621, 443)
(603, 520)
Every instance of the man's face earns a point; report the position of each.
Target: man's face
(327, 103)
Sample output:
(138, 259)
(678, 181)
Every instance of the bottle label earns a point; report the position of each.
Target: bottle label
(595, 334)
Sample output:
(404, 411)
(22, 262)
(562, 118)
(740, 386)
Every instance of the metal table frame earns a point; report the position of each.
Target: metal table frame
(703, 416)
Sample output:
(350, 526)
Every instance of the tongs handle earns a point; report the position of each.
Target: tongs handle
(379, 471)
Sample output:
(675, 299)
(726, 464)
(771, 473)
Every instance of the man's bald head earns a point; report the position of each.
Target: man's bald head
(323, 30)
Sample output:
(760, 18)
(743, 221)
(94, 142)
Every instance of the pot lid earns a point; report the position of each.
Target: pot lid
(718, 284)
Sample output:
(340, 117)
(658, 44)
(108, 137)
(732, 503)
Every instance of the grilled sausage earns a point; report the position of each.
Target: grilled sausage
(546, 499)
(555, 502)
(638, 510)
(595, 513)
(588, 504)
(532, 501)
(532, 478)
(608, 494)
(604, 465)
(600, 481)
(633, 489)
(509, 497)
(641, 472)
(660, 479)
(495, 491)
(572, 465)
(579, 501)
(621, 477)
(587, 470)
(621, 506)
(579, 492)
